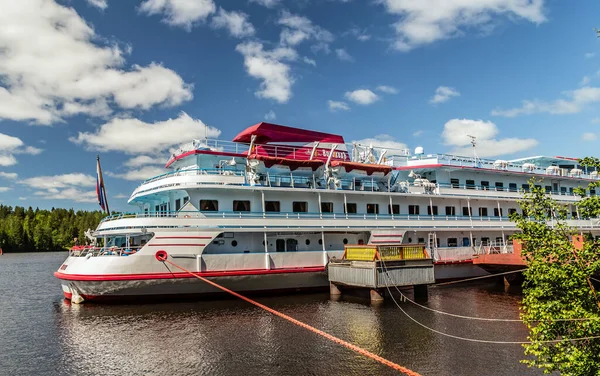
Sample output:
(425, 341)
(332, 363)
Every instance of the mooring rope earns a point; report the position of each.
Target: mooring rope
(480, 277)
(164, 258)
(473, 339)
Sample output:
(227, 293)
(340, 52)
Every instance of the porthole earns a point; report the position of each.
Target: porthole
(234, 243)
(263, 242)
(345, 241)
(410, 240)
(307, 241)
(320, 241)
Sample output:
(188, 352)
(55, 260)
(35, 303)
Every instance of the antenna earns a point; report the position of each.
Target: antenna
(474, 144)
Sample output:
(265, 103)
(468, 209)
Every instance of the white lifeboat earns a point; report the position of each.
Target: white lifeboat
(528, 167)
(552, 170)
(576, 172)
(500, 164)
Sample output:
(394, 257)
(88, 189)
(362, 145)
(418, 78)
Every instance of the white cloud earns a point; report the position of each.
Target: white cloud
(298, 29)
(589, 55)
(133, 136)
(100, 4)
(235, 22)
(120, 195)
(142, 160)
(137, 174)
(9, 146)
(387, 89)
(266, 3)
(268, 66)
(63, 187)
(417, 133)
(584, 81)
(359, 34)
(426, 21)
(384, 141)
(443, 94)
(22, 198)
(9, 175)
(578, 99)
(270, 116)
(309, 61)
(337, 106)
(5, 189)
(53, 65)
(343, 55)
(362, 96)
(589, 136)
(183, 13)
(595, 121)
(457, 131)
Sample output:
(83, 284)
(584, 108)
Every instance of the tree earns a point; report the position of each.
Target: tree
(558, 285)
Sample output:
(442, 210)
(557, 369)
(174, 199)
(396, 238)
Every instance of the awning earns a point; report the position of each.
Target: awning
(267, 132)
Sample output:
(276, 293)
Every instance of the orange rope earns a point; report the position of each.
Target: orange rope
(348, 345)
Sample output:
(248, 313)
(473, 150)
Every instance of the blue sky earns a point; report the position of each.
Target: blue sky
(131, 80)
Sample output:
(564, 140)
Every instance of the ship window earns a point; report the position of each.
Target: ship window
(454, 183)
(538, 186)
(450, 210)
(186, 199)
(272, 206)
(485, 185)
(413, 209)
(499, 241)
(525, 187)
(291, 245)
(548, 188)
(499, 186)
(570, 190)
(177, 204)
(280, 245)
(432, 210)
(234, 243)
(394, 209)
(452, 242)
(307, 242)
(497, 213)
(485, 241)
(421, 241)
(470, 184)
(300, 207)
(345, 241)
(241, 206)
(592, 192)
(512, 187)
(351, 208)
(467, 211)
(327, 207)
(320, 241)
(512, 211)
(574, 214)
(563, 190)
(209, 205)
(372, 208)
(483, 212)
(466, 242)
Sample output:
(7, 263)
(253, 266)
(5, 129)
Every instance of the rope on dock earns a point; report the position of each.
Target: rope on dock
(397, 367)
(474, 339)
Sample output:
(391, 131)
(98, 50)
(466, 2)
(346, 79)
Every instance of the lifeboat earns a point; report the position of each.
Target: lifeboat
(261, 163)
(355, 169)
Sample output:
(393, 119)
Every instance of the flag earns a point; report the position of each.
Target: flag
(100, 190)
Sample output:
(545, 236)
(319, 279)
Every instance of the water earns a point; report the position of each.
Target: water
(42, 334)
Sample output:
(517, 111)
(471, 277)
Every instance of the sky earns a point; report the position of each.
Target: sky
(131, 80)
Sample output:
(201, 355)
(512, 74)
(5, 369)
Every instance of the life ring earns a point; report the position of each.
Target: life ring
(161, 255)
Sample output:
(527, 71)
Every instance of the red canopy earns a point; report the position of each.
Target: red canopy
(267, 132)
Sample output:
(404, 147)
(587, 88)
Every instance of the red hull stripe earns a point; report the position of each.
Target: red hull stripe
(386, 241)
(183, 237)
(175, 245)
(132, 277)
(387, 235)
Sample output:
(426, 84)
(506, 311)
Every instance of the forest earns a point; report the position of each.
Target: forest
(34, 230)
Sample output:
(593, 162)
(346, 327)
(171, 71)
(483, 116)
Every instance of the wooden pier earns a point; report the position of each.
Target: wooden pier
(378, 267)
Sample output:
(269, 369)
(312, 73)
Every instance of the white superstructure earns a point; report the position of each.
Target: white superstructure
(268, 211)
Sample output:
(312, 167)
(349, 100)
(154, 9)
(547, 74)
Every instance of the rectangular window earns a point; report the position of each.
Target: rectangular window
(177, 204)
(327, 207)
(511, 211)
(485, 241)
(432, 210)
(241, 205)
(470, 184)
(574, 215)
(394, 209)
(157, 208)
(186, 199)
(538, 186)
(512, 187)
(421, 241)
(499, 186)
(592, 192)
(372, 208)
(467, 211)
(452, 242)
(351, 208)
(209, 205)
(499, 241)
(570, 190)
(450, 210)
(483, 212)
(563, 190)
(548, 188)
(485, 185)
(454, 183)
(466, 242)
(525, 187)
(497, 213)
(300, 207)
(272, 206)
(413, 209)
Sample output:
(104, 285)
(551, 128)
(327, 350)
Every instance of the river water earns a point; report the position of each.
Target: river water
(42, 334)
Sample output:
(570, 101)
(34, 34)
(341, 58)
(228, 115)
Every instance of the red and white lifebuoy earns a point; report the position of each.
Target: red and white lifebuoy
(161, 255)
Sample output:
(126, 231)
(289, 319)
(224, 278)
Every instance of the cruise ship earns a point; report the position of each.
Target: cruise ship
(268, 210)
